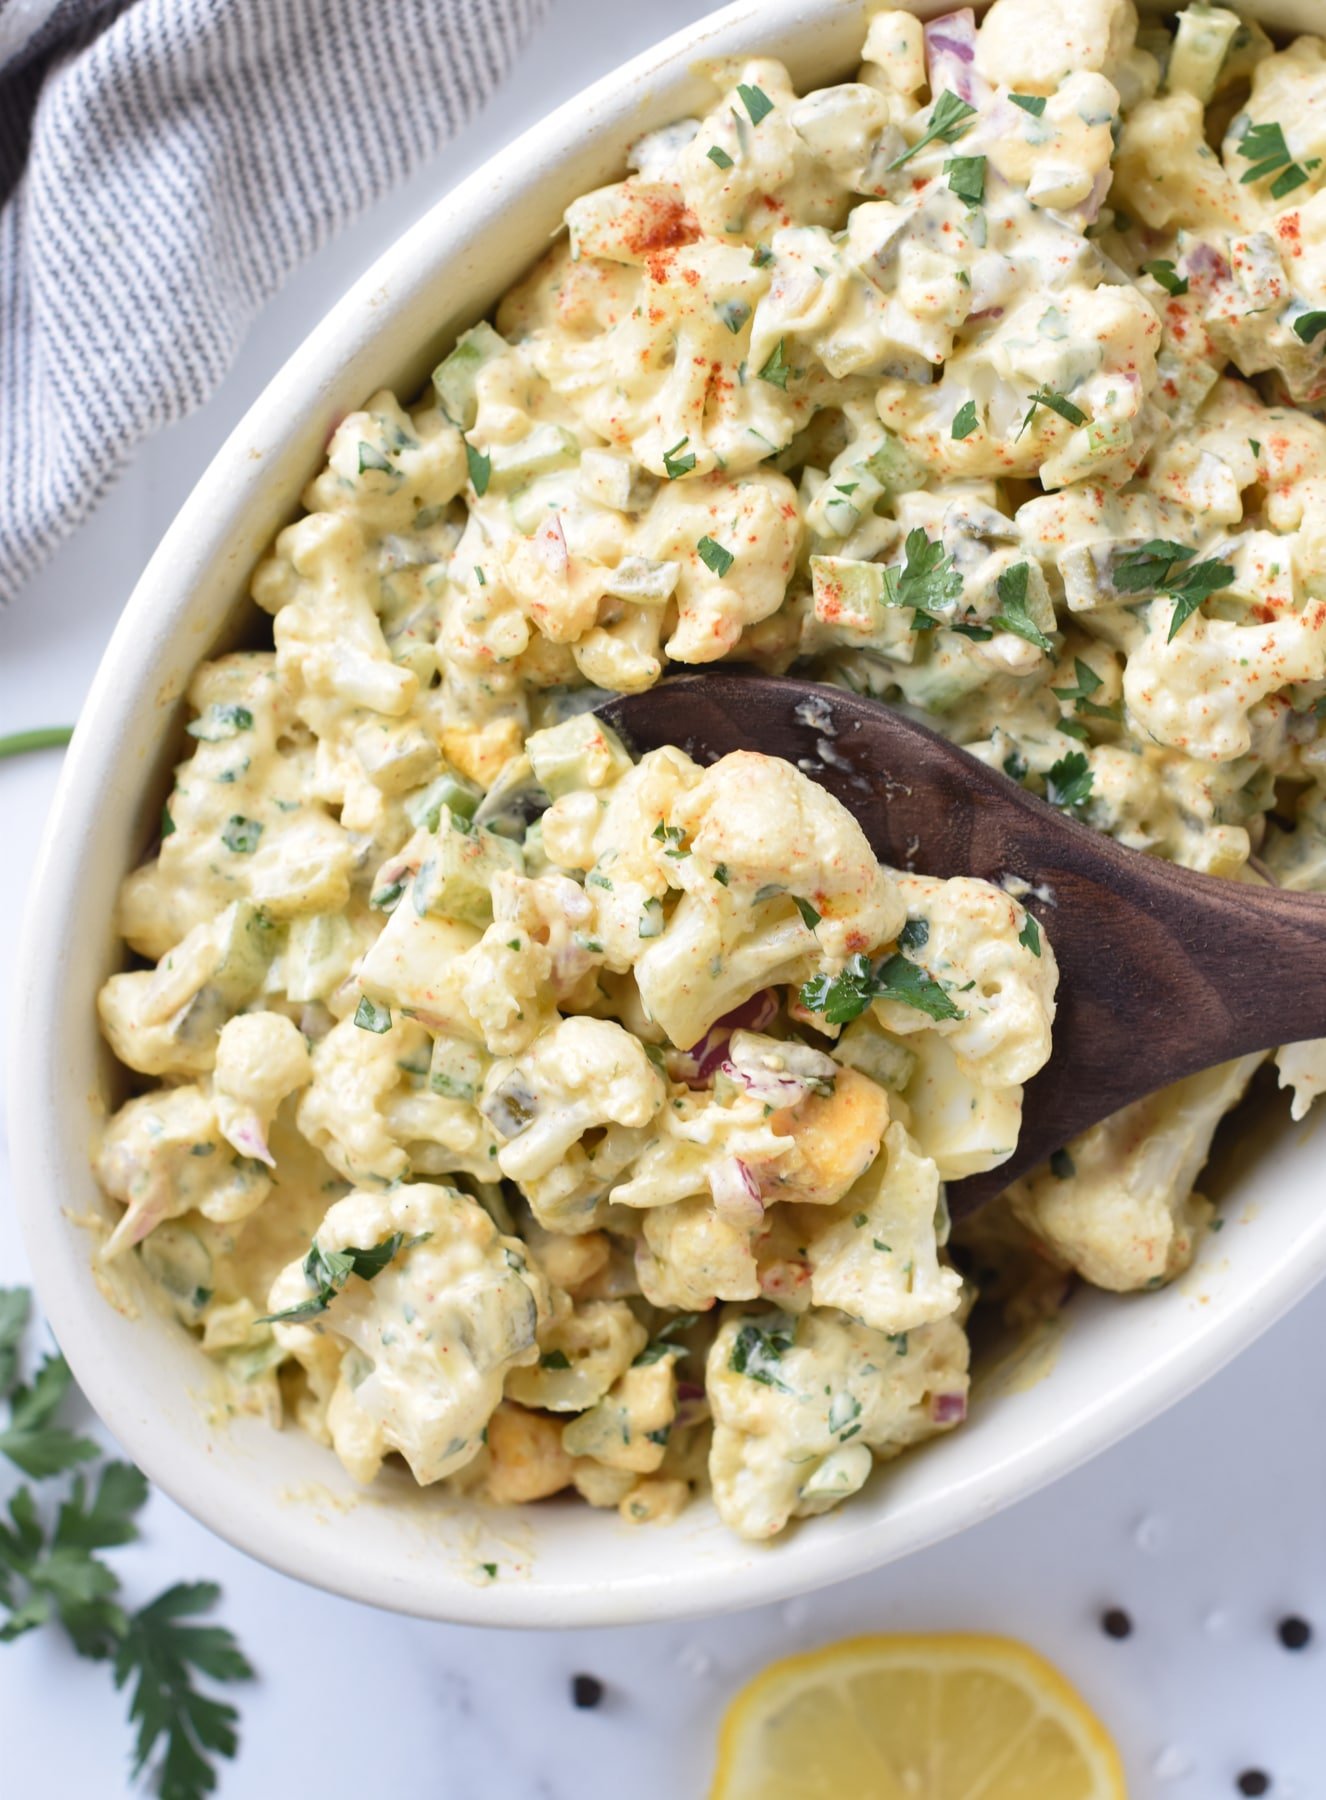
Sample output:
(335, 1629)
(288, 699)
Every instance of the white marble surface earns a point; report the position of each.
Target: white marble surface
(1207, 1525)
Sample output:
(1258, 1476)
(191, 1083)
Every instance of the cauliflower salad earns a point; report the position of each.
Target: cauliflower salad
(553, 1120)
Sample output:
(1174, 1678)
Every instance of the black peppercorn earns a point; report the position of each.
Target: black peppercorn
(1253, 1782)
(1115, 1623)
(586, 1691)
(1294, 1633)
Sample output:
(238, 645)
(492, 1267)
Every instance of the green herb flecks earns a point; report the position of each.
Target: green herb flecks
(757, 103)
(369, 1016)
(1030, 103)
(925, 580)
(1056, 403)
(1030, 936)
(966, 178)
(1086, 683)
(1163, 567)
(845, 996)
(759, 1348)
(1168, 276)
(1068, 784)
(675, 465)
(327, 1271)
(480, 468)
(776, 367)
(1309, 326)
(1265, 148)
(714, 556)
(718, 156)
(965, 420)
(948, 121)
(809, 917)
(371, 459)
(241, 835)
(1013, 615)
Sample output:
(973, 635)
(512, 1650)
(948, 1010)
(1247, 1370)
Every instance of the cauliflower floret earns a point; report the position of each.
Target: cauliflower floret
(735, 543)
(1195, 690)
(343, 1112)
(803, 1405)
(165, 1021)
(579, 1076)
(260, 1058)
(1032, 46)
(1121, 1209)
(876, 1257)
(1061, 154)
(628, 1428)
(525, 1460)
(582, 1351)
(748, 842)
(1302, 1067)
(162, 1155)
(1166, 176)
(689, 1254)
(427, 1343)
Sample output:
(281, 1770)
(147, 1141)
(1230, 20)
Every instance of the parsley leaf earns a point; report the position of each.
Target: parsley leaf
(161, 1656)
(965, 420)
(1013, 616)
(714, 556)
(845, 996)
(1068, 784)
(718, 156)
(1168, 276)
(1157, 567)
(480, 468)
(1057, 404)
(926, 579)
(966, 178)
(15, 1304)
(776, 368)
(809, 917)
(1265, 148)
(241, 835)
(327, 1271)
(372, 458)
(30, 1440)
(1030, 936)
(756, 101)
(674, 465)
(369, 1016)
(759, 1347)
(948, 121)
(1086, 683)
(1030, 103)
(1309, 326)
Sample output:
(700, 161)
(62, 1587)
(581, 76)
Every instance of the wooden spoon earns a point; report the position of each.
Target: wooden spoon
(1162, 972)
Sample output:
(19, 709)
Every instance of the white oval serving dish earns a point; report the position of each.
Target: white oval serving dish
(279, 1495)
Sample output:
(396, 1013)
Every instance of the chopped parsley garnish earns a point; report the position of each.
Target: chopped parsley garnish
(966, 177)
(915, 934)
(721, 874)
(965, 420)
(1068, 784)
(369, 1016)
(220, 722)
(1265, 148)
(845, 996)
(370, 457)
(1086, 684)
(1030, 936)
(480, 468)
(1254, 446)
(1309, 326)
(1168, 276)
(1030, 103)
(761, 255)
(926, 579)
(809, 917)
(948, 121)
(759, 1347)
(776, 368)
(756, 101)
(672, 836)
(1057, 404)
(384, 898)
(327, 1271)
(1062, 1166)
(1013, 616)
(1159, 567)
(167, 823)
(241, 835)
(718, 156)
(674, 465)
(733, 313)
(714, 556)
(554, 1359)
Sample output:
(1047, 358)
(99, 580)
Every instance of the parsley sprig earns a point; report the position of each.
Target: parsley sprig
(1056, 404)
(1265, 148)
(327, 1271)
(51, 1573)
(948, 121)
(925, 580)
(845, 996)
(1013, 615)
(1161, 566)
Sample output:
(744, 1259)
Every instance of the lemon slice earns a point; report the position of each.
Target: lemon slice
(915, 1718)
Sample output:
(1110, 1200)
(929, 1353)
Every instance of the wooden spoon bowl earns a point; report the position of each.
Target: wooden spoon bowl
(1162, 971)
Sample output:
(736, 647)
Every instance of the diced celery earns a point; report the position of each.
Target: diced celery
(1105, 436)
(638, 579)
(850, 597)
(946, 676)
(605, 476)
(545, 447)
(455, 880)
(457, 1069)
(582, 752)
(868, 1048)
(454, 376)
(456, 792)
(894, 467)
(841, 1473)
(181, 1263)
(319, 954)
(1203, 35)
(249, 940)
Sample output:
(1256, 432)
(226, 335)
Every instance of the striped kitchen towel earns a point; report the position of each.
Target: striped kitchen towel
(164, 165)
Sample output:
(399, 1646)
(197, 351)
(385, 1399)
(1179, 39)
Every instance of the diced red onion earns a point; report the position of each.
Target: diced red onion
(736, 1193)
(948, 1409)
(697, 1066)
(248, 1139)
(950, 55)
(769, 1086)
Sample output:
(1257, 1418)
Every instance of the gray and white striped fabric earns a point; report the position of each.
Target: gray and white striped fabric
(164, 165)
